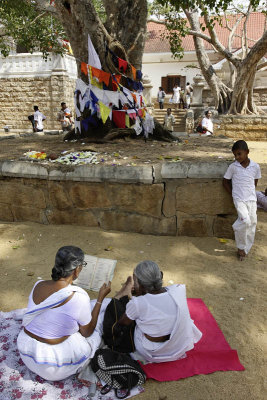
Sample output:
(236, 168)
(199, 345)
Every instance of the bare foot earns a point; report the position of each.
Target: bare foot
(241, 254)
(126, 289)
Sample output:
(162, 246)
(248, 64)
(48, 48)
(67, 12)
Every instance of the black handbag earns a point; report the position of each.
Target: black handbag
(119, 371)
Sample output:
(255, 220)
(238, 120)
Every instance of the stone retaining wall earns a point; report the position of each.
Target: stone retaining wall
(19, 95)
(259, 95)
(243, 127)
(169, 199)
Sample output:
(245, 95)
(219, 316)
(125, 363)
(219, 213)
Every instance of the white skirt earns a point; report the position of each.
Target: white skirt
(59, 361)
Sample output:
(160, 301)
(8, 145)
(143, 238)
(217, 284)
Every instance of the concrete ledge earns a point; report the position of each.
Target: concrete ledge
(192, 170)
(22, 169)
(107, 173)
(102, 173)
(208, 169)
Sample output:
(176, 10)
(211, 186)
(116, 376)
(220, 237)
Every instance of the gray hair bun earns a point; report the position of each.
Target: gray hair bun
(67, 260)
(149, 275)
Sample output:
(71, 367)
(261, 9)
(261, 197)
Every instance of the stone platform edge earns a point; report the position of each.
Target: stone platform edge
(145, 174)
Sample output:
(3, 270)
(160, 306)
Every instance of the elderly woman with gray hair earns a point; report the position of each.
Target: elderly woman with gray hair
(60, 332)
(164, 330)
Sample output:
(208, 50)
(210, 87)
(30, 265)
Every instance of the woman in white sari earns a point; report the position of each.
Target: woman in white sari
(60, 332)
(164, 330)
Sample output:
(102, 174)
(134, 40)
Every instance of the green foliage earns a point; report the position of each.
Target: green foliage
(29, 27)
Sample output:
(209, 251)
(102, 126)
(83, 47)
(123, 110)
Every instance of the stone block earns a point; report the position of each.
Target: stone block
(206, 197)
(59, 196)
(24, 169)
(222, 226)
(71, 217)
(5, 213)
(21, 195)
(207, 169)
(169, 202)
(143, 199)
(126, 222)
(174, 170)
(190, 225)
(22, 213)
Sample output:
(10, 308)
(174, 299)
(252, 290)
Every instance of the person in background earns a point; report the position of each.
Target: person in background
(65, 117)
(182, 99)
(161, 96)
(240, 180)
(262, 199)
(38, 119)
(207, 124)
(176, 96)
(188, 94)
(169, 120)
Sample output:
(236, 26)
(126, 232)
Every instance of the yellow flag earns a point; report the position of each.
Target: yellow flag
(127, 121)
(104, 111)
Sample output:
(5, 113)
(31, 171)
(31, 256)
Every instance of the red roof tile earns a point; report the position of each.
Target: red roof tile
(255, 28)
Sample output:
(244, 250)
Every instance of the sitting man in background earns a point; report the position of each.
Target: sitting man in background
(64, 116)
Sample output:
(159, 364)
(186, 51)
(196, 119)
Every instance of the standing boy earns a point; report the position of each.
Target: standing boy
(240, 181)
(169, 120)
(38, 119)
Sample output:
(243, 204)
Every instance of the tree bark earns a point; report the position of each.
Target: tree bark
(242, 98)
(221, 93)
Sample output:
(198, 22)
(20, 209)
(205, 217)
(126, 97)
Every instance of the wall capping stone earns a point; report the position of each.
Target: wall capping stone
(148, 174)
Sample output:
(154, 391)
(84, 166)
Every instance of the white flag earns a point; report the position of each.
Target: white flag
(93, 58)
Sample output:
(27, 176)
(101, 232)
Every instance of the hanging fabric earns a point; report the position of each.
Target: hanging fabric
(118, 118)
(93, 58)
(133, 72)
(84, 69)
(101, 75)
(127, 121)
(123, 65)
(104, 111)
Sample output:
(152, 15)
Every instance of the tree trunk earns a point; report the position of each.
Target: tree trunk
(221, 93)
(242, 99)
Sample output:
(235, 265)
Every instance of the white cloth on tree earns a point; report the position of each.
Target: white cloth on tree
(93, 58)
(81, 86)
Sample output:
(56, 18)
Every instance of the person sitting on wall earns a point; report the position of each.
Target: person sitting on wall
(262, 199)
(164, 329)
(205, 127)
(60, 332)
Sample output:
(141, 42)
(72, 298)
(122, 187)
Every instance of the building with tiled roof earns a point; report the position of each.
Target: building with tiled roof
(164, 70)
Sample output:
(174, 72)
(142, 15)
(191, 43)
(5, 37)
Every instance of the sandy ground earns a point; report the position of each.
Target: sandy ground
(27, 252)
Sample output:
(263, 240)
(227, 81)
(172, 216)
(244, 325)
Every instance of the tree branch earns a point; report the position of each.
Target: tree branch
(262, 65)
(218, 46)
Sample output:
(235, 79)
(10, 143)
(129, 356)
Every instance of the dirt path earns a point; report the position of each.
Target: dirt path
(28, 250)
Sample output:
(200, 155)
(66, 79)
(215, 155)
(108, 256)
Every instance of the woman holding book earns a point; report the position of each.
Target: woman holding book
(60, 332)
(164, 330)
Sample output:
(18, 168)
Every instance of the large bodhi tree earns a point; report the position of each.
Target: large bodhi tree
(237, 96)
(122, 25)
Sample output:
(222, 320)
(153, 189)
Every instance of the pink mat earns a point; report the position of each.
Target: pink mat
(212, 353)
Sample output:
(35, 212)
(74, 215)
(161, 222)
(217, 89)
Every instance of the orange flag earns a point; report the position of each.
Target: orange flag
(134, 72)
(101, 75)
(84, 68)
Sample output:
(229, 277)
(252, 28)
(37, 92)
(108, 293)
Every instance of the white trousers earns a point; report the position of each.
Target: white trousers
(245, 225)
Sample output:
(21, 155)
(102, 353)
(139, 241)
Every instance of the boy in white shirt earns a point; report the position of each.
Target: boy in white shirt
(240, 180)
(38, 119)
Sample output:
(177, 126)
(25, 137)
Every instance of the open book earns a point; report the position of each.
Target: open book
(96, 272)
